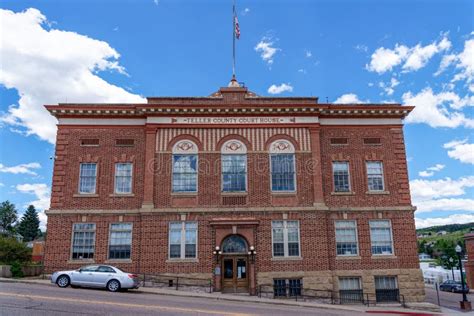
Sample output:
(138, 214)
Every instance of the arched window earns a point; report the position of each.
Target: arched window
(234, 244)
(234, 166)
(282, 164)
(185, 159)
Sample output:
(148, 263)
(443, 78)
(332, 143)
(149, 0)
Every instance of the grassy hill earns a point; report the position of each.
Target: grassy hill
(449, 228)
(439, 245)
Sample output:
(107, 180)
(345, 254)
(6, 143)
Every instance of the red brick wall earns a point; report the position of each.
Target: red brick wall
(69, 155)
(150, 239)
(391, 152)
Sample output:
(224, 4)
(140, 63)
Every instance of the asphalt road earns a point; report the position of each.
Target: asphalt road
(447, 299)
(36, 299)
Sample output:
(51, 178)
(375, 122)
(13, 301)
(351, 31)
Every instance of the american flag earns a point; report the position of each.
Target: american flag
(237, 28)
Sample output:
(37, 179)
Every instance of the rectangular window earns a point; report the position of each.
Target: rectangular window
(287, 287)
(381, 237)
(124, 142)
(120, 242)
(372, 141)
(123, 178)
(90, 142)
(87, 178)
(339, 141)
(375, 175)
(83, 241)
(340, 172)
(283, 172)
(346, 238)
(183, 240)
(350, 290)
(234, 173)
(184, 173)
(386, 289)
(286, 238)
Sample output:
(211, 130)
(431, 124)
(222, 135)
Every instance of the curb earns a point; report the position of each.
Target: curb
(238, 299)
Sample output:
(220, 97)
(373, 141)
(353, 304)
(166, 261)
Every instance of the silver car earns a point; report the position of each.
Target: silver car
(100, 276)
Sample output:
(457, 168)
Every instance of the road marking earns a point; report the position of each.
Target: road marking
(165, 308)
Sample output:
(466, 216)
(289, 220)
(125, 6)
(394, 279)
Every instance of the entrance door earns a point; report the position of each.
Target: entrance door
(235, 275)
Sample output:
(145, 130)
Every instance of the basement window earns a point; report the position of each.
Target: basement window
(90, 142)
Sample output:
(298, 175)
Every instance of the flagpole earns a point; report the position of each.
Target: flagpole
(233, 40)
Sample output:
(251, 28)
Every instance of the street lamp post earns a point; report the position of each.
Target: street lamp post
(451, 260)
(465, 304)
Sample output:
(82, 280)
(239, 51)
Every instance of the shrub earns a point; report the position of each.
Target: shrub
(12, 250)
(15, 269)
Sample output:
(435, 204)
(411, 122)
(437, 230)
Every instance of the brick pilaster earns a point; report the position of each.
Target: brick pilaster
(318, 196)
(150, 149)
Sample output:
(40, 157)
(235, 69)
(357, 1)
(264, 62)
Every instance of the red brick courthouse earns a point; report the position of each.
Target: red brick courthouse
(244, 189)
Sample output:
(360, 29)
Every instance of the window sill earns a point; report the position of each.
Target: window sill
(287, 258)
(118, 261)
(284, 193)
(243, 193)
(343, 193)
(377, 192)
(384, 257)
(122, 195)
(179, 260)
(184, 193)
(84, 195)
(348, 257)
(76, 261)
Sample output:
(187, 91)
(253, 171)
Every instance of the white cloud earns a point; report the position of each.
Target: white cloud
(245, 11)
(308, 53)
(465, 62)
(384, 59)
(420, 55)
(461, 150)
(442, 194)
(266, 49)
(302, 70)
(389, 87)
(431, 170)
(274, 89)
(349, 98)
(2, 185)
(438, 221)
(25, 168)
(47, 66)
(422, 189)
(412, 58)
(42, 194)
(156, 2)
(446, 61)
(438, 110)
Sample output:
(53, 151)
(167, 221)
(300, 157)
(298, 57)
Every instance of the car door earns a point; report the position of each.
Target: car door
(85, 276)
(103, 275)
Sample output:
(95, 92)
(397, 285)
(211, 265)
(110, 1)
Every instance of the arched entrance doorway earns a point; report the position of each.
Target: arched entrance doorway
(235, 265)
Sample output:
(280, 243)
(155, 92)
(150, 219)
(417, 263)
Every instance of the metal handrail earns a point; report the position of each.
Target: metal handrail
(175, 281)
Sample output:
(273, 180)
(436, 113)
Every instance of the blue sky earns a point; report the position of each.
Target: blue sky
(411, 52)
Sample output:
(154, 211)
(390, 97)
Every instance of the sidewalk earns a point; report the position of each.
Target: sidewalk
(418, 309)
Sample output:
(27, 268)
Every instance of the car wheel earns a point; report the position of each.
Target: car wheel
(63, 281)
(453, 290)
(113, 286)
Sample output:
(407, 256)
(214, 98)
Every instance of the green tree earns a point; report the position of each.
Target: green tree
(12, 250)
(8, 217)
(29, 224)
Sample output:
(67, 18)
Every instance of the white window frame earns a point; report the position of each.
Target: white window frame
(83, 230)
(285, 239)
(131, 178)
(294, 173)
(391, 237)
(80, 177)
(356, 235)
(382, 175)
(197, 172)
(182, 240)
(246, 174)
(110, 239)
(348, 175)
